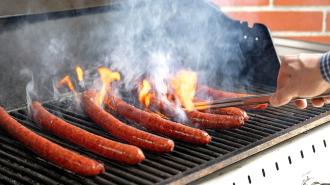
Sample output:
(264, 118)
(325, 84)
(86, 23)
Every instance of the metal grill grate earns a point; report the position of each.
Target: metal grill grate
(186, 163)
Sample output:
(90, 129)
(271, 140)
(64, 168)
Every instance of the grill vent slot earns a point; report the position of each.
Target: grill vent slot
(289, 158)
(263, 172)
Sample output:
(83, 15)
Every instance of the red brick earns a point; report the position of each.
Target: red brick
(241, 2)
(301, 2)
(283, 20)
(318, 39)
(328, 21)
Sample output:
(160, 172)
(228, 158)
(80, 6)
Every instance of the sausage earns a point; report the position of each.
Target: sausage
(48, 150)
(124, 153)
(165, 108)
(213, 121)
(234, 118)
(155, 123)
(255, 107)
(234, 111)
(121, 130)
(219, 95)
(216, 93)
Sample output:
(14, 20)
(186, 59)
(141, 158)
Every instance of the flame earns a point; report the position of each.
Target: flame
(144, 94)
(107, 76)
(80, 73)
(184, 84)
(67, 82)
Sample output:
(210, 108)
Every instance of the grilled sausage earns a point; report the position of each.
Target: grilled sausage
(105, 147)
(165, 108)
(234, 111)
(214, 121)
(219, 95)
(209, 91)
(121, 130)
(155, 123)
(235, 117)
(48, 150)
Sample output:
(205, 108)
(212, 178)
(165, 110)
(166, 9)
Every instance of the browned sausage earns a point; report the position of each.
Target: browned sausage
(156, 123)
(255, 107)
(165, 108)
(105, 147)
(216, 93)
(219, 94)
(48, 150)
(234, 111)
(121, 130)
(234, 118)
(214, 121)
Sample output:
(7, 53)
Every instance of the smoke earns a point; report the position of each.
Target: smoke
(161, 37)
(31, 93)
(155, 39)
(141, 39)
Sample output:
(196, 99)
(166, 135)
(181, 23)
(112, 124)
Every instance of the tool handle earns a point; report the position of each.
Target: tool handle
(265, 98)
(324, 95)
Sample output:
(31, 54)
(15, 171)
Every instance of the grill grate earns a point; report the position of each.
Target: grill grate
(186, 163)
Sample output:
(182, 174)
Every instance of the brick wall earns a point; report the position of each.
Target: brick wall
(307, 20)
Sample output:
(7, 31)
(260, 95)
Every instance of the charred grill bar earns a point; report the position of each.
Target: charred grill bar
(186, 163)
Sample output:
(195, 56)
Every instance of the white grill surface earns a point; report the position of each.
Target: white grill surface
(303, 160)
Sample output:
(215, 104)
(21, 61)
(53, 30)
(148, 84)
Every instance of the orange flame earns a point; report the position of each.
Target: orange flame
(184, 83)
(67, 82)
(107, 76)
(80, 73)
(144, 94)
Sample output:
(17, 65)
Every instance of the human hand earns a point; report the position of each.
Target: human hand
(300, 75)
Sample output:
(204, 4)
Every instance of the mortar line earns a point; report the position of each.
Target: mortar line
(325, 20)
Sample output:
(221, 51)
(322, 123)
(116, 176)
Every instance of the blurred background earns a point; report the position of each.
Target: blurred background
(306, 20)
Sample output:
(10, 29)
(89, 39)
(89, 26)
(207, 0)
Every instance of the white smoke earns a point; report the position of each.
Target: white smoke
(139, 38)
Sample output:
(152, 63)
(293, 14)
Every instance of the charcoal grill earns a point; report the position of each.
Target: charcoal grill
(185, 164)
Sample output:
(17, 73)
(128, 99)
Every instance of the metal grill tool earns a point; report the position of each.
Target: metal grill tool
(243, 101)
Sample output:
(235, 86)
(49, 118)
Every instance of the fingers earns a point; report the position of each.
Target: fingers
(280, 99)
(326, 100)
(301, 103)
(318, 102)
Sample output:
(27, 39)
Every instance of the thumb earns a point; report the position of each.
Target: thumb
(281, 97)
